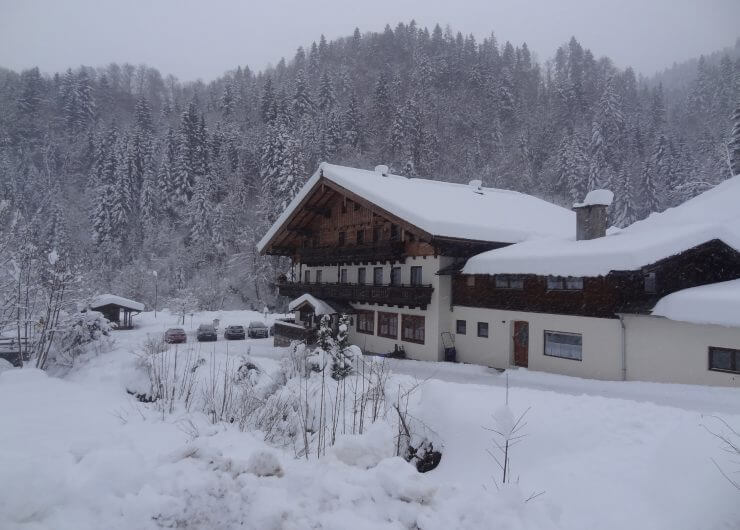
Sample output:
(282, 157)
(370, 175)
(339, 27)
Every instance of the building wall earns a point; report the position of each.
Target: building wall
(668, 351)
(601, 341)
(436, 315)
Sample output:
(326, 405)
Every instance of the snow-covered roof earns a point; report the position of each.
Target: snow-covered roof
(319, 306)
(445, 209)
(596, 197)
(715, 214)
(717, 303)
(105, 299)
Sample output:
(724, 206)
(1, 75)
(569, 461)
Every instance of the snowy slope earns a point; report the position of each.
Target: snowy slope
(718, 303)
(80, 453)
(445, 209)
(714, 214)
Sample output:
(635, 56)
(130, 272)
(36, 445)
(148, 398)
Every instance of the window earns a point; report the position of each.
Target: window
(412, 328)
(483, 329)
(361, 273)
(343, 276)
(649, 282)
(388, 325)
(376, 234)
(318, 276)
(504, 281)
(306, 276)
(344, 206)
(564, 345)
(724, 359)
(559, 283)
(378, 276)
(357, 206)
(366, 322)
(360, 237)
(471, 280)
(342, 238)
(461, 327)
(395, 233)
(416, 275)
(395, 275)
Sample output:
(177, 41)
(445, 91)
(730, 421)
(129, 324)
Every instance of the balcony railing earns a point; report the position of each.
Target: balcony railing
(386, 251)
(398, 295)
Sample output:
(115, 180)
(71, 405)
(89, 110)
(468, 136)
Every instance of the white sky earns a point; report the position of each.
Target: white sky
(204, 39)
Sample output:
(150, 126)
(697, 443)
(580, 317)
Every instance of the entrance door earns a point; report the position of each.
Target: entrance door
(521, 343)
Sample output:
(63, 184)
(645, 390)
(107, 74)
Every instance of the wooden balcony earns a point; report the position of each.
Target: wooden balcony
(386, 251)
(398, 295)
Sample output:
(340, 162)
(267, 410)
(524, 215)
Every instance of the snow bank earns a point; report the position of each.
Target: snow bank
(712, 215)
(80, 453)
(445, 209)
(718, 303)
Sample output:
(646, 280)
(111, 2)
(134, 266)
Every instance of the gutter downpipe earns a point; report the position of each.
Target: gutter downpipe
(624, 346)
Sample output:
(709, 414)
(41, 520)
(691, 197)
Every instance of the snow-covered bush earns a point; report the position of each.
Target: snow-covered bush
(79, 333)
(341, 354)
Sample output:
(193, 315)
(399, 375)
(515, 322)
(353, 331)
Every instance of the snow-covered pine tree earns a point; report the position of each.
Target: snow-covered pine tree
(267, 102)
(326, 96)
(341, 365)
(734, 143)
(572, 169)
(302, 105)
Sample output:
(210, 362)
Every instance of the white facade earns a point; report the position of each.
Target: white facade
(669, 351)
(601, 341)
(436, 315)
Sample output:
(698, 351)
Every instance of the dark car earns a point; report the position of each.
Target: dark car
(175, 336)
(257, 330)
(206, 332)
(234, 333)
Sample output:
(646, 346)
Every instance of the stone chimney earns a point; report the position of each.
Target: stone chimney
(591, 214)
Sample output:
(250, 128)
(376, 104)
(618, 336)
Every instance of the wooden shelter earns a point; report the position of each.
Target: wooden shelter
(118, 310)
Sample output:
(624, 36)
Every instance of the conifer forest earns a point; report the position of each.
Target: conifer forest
(122, 176)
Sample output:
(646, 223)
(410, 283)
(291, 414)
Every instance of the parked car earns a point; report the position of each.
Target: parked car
(175, 336)
(234, 333)
(257, 330)
(206, 332)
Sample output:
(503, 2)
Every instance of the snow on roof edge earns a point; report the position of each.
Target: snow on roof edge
(320, 307)
(105, 299)
(714, 304)
(596, 198)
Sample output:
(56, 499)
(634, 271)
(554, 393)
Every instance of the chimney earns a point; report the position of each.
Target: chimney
(591, 215)
(382, 169)
(476, 186)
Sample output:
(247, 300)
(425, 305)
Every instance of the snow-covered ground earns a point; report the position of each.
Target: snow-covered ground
(78, 452)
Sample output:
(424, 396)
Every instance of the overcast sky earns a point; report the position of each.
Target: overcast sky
(204, 39)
